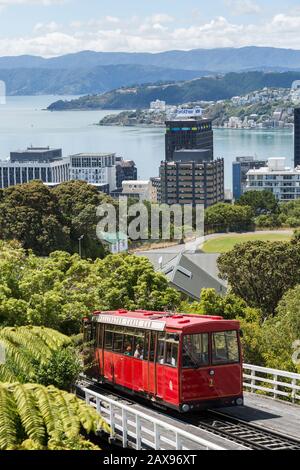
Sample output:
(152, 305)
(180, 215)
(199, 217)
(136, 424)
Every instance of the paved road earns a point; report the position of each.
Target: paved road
(197, 244)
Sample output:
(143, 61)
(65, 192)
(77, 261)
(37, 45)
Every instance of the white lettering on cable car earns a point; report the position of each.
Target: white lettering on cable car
(157, 325)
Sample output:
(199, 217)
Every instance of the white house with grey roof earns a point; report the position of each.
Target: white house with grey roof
(188, 272)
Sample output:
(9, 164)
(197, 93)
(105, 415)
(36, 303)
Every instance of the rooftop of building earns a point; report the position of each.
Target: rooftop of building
(189, 162)
(125, 163)
(189, 120)
(275, 166)
(136, 182)
(93, 155)
(37, 150)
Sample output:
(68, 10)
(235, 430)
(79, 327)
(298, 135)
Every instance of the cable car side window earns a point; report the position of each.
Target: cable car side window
(108, 341)
(128, 344)
(195, 352)
(172, 347)
(225, 348)
(139, 342)
(118, 340)
(161, 348)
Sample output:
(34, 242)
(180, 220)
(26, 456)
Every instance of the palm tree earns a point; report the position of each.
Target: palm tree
(35, 417)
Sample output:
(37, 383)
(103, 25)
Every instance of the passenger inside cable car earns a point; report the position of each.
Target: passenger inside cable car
(138, 352)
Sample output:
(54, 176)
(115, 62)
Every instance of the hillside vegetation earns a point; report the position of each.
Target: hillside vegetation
(205, 88)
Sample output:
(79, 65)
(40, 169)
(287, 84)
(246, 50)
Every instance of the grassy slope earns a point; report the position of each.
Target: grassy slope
(226, 243)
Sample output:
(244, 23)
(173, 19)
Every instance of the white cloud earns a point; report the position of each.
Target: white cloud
(243, 7)
(153, 34)
(28, 2)
(51, 26)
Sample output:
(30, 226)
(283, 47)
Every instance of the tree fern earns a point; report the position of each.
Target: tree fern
(67, 412)
(25, 347)
(29, 413)
(50, 413)
(35, 417)
(8, 420)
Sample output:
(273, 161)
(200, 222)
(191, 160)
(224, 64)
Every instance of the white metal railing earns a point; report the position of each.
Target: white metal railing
(142, 430)
(272, 382)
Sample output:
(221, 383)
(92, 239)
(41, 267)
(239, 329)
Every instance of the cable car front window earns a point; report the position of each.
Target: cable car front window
(225, 348)
(195, 351)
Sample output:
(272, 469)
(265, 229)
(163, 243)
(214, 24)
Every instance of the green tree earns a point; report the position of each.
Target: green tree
(78, 202)
(61, 370)
(261, 272)
(225, 217)
(262, 202)
(34, 417)
(130, 282)
(267, 221)
(30, 214)
(281, 332)
(58, 290)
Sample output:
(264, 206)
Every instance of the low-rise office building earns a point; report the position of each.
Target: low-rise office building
(12, 173)
(240, 168)
(141, 190)
(283, 181)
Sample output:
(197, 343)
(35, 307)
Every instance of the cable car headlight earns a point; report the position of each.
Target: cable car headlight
(185, 408)
(211, 373)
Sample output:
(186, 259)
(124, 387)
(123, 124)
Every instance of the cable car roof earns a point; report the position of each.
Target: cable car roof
(159, 321)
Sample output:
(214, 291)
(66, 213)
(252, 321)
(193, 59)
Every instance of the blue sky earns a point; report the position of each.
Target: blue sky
(54, 27)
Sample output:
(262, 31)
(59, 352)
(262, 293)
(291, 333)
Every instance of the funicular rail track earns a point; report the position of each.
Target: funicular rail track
(249, 436)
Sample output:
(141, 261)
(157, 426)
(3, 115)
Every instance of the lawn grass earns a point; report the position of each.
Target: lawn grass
(225, 243)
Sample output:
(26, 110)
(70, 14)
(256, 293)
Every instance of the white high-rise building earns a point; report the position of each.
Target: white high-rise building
(283, 181)
(95, 168)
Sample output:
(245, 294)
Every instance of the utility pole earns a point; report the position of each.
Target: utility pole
(79, 241)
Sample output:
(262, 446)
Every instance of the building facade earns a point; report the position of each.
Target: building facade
(296, 137)
(188, 134)
(126, 170)
(141, 190)
(94, 168)
(12, 173)
(240, 169)
(283, 181)
(192, 182)
(156, 188)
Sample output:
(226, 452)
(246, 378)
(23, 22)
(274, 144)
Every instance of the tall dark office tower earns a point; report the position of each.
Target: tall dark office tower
(192, 182)
(297, 137)
(188, 134)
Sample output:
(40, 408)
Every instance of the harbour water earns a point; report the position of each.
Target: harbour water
(24, 122)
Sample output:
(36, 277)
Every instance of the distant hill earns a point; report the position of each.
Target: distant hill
(89, 72)
(215, 60)
(79, 81)
(203, 89)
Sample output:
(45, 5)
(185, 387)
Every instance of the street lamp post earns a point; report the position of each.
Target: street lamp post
(79, 241)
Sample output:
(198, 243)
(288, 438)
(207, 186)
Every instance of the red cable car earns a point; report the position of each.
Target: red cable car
(184, 362)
